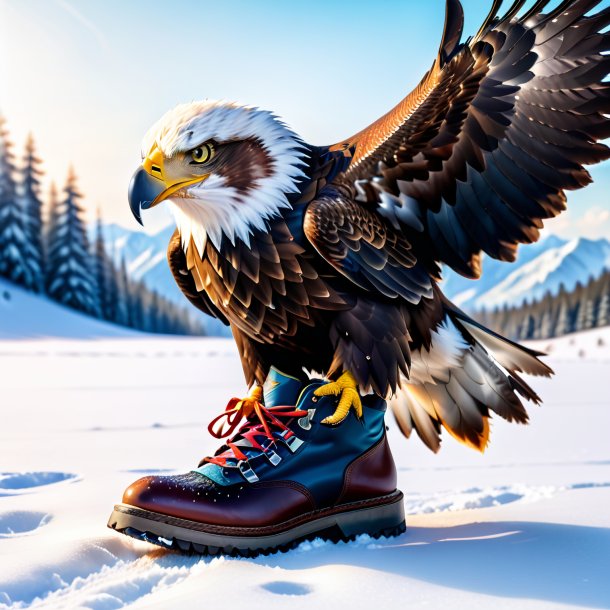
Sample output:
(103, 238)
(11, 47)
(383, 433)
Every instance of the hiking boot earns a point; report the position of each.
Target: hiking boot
(282, 478)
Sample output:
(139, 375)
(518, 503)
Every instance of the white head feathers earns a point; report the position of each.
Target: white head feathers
(212, 208)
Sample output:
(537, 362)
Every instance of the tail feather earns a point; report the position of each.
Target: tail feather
(467, 372)
(498, 393)
(512, 356)
(410, 415)
(523, 388)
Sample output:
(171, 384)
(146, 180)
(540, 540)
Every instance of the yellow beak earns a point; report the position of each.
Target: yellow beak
(154, 165)
(154, 162)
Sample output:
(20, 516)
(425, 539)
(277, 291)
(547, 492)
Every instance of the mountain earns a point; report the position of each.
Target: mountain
(540, 267)
(145, 258)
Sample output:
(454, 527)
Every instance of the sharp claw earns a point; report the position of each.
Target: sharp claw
(347, 389)
(330, 389)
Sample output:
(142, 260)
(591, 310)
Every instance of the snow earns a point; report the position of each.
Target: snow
(590, 345)
(577, 260)
(462, 298)
(525, 525)
(27, 315)
(145, 256)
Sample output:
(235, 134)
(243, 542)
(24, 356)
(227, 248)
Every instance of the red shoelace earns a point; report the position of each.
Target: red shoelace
(260, 421)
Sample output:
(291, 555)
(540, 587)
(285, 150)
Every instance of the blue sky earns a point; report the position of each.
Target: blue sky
(88, 77)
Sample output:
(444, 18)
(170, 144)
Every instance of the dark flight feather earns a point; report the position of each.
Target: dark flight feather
(526, 91)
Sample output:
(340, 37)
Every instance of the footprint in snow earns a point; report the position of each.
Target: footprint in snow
(21, 522)
(475, 497)
(17, 481)
(149, 470)
(587, 485)
(285, 587)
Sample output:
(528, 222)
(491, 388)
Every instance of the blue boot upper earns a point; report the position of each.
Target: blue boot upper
(315, 455)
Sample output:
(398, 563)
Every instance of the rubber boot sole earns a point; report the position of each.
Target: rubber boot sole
(382, 516)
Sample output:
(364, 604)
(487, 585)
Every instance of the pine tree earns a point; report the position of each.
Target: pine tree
(510, 327)
(99, 261)
(136, 306)
(114, 288)
(545, 315)
(15, 249)
(71, 274)
(154, 313)
(544, 331)
(32, 212)
(563, 319)
(584, 319)
(529, 327)
(603, 310)
(123, 295)
(104, 275)
(48, 228)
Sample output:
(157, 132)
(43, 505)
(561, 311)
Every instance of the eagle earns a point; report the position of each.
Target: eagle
(329, 258)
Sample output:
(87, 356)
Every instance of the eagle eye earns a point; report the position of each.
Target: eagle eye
(203, 153)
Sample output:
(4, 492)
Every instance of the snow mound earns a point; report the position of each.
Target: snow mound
(24, 315)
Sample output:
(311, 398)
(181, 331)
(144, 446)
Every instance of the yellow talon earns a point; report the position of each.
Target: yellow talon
(347, 388)
(246, 405)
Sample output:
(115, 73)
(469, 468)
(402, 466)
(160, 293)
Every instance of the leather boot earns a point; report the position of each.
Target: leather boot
(282, 477)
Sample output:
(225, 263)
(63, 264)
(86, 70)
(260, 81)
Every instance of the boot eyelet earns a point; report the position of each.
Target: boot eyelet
(273, 457)
(305, 422)
(293, 443)
(247, 472)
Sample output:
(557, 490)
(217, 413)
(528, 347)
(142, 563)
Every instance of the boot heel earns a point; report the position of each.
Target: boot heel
(383, 520)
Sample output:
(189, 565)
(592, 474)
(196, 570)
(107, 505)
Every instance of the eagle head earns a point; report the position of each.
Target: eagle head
(224, 169)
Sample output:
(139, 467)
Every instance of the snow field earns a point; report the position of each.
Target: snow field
(525, 525)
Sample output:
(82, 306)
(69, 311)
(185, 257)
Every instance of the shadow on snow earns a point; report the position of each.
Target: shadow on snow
(559, 563)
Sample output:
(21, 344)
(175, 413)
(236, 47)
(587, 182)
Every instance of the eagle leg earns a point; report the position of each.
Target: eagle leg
(346, 388)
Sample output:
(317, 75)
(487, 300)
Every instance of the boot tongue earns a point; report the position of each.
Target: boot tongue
(280, 389)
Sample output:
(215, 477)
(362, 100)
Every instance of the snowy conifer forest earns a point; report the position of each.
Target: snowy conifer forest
(583, 308)
(45, 248)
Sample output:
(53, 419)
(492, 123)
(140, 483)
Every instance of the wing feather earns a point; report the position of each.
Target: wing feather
(361, 245)
(484, 148)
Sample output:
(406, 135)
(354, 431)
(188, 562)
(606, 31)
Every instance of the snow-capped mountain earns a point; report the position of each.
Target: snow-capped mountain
(145, 258)
(540, 267)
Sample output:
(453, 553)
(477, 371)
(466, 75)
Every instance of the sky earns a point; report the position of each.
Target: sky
(89, 77)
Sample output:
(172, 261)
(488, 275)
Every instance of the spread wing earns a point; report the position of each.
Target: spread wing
(484, 148)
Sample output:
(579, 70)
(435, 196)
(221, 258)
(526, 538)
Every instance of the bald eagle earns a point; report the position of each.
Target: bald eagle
(328, 258)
